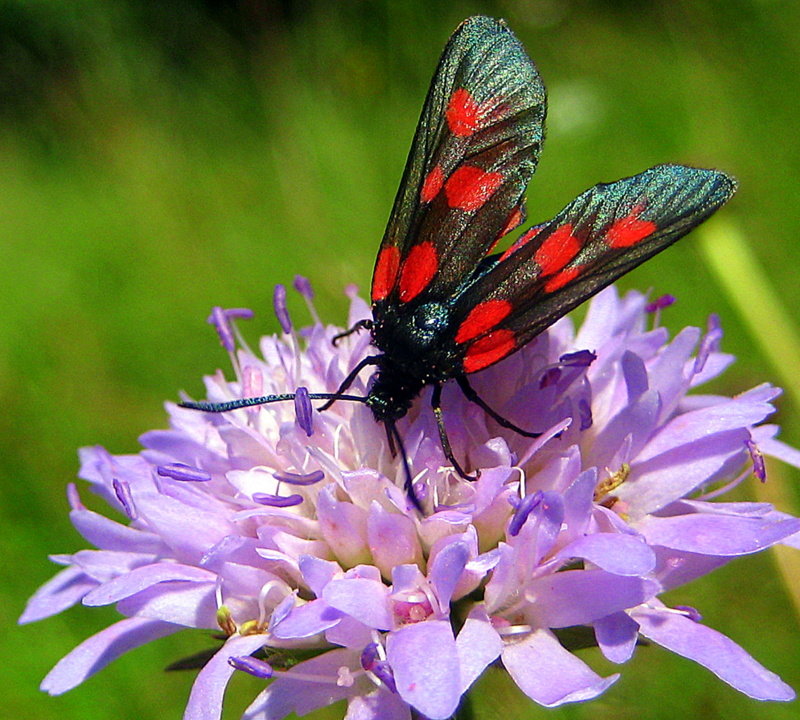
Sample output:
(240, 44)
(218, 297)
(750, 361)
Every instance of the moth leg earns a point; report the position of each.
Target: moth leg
(358, 327)
(395, 445)
(472, 396)
(348, 381)
(436, 404)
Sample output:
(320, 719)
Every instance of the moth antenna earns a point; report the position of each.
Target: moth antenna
(221, 407)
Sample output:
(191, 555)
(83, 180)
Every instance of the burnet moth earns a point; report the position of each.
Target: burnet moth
(443, 304)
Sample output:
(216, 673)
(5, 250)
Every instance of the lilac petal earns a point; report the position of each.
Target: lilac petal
(392, 539)
(100, 649)
(291, 692)
(317, 572)
(782, 451)
(710, 534)
(478, 645)
(59, 593)
(306, 620)
(714, 651)
(366, 600)
(698, 424)
(673, 474)
(344, 528)
(425, 664)
(208, 689)
(190, 604)
(349, 633)
(378, 705)
(635, 374)
(578, 597)
(446, 569)
(189, 531)
(614, 552)
(104, 533)
(636, 421)
(549, 674)
(145, 577)
(616, 636)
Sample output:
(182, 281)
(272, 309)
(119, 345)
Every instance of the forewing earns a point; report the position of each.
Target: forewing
(474, 151)
(602, 234)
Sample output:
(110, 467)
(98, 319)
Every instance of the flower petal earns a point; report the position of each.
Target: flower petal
(59, 593)
(616, 553)
(711, 534)
(424, 660)
(100, 649)
(208, 689)
(578, 597)
(616, 635)
(478, 645)
(712, 650)
(549, 674)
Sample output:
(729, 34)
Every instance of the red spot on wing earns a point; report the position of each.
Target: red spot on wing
(418, 270)
(469, 187)
(513, 221)
(557, 250)
(463, 114)
(488, 350)
(483, 317)
(523, 239)
(628, 231)
(433, 183)
(565, 276)
(385, 275)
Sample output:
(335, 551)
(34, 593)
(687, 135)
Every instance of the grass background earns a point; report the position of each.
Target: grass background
(160, 158)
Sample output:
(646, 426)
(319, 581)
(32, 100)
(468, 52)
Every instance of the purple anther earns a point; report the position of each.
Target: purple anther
(252, 666)
(585, 414)
(297, 479)
(690, 612)
(123, 492)
(277, 500)
(239, 314)
(303, 411)
(523, 508)
(184, 473)
(219, 320)
(710, 342)
(279, 303)
(759, 468)
(580, 358)
(371, 662)
(549, 377)
(659, 303)
(303, 286)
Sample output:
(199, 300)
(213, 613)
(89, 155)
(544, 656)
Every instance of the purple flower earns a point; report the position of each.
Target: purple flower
(288, 528)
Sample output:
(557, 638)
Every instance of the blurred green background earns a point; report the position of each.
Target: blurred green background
(160, 158)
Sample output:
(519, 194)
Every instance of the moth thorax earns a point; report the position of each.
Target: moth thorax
(427, 323)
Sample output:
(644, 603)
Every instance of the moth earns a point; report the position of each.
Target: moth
(445, 302)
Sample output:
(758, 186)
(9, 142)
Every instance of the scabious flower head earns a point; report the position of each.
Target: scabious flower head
(288, 528)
